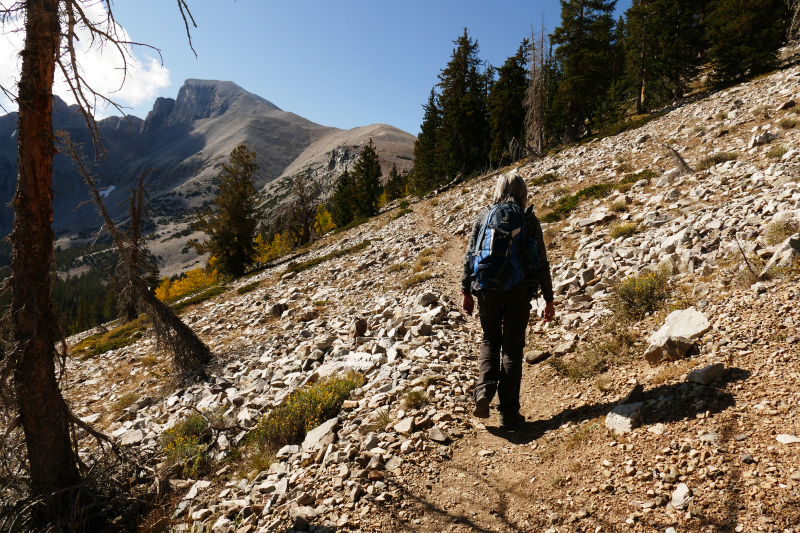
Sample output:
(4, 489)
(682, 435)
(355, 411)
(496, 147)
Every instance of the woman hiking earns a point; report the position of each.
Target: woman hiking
(505, 265)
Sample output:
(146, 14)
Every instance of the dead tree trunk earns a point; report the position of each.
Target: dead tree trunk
(534, 96)
(43, 413)
(189, 353)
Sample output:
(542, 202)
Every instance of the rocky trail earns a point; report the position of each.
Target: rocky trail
(701, 435)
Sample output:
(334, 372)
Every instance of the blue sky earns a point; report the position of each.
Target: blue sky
(338, 63)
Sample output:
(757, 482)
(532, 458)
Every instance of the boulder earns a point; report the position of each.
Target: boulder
(762, 138)
(672, 349)
(784, 256)
(679, 328)
(278, 309)
(682, 496)
(625, 418)
(405, 426)
(536, 356)
(302, 517)
(427, 298)
(321, 436)
(358, 328)
(708, 374)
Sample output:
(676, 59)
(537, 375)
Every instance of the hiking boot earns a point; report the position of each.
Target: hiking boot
(511, 420)
(482, 405)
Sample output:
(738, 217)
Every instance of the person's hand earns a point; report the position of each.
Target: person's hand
(468, 304)
(549, 311)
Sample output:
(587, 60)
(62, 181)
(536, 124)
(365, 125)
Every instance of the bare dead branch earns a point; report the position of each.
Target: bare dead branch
(682, 167)
(185, 12)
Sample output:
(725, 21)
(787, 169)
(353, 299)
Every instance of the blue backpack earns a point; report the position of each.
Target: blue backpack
(499, 259)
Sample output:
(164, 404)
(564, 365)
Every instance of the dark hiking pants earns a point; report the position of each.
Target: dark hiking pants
(504, 318)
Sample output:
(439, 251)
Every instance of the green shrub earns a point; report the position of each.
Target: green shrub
(566, 205)
(113, 339)
(247, 288)
(305, 409)
(183, 443)
(625, 229)
(403, 204)
(300, 267)
(544, 179)
(638, 295)
(639, 176)
(776, 152)
(401, 213)
(716, 159)
(199, 298)
(353, 224)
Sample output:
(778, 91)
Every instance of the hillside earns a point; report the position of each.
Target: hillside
(712, 451)
(185, 141)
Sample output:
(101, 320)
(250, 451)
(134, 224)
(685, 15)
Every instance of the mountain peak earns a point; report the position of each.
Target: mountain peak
(199, 99)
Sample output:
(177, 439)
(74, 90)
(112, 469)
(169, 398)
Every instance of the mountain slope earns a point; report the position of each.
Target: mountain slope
(185, 141)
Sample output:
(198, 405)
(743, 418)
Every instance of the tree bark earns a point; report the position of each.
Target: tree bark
(43, 411)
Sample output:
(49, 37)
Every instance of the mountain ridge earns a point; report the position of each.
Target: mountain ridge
(186, 140)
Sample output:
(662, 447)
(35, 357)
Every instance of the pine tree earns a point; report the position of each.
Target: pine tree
(505, 104)
(343, 200)
(427, 156)
(663, 49)
(584, 51)
(745, 36)
(394, 185)
(367, 176)
(465, 122)
(231, 228)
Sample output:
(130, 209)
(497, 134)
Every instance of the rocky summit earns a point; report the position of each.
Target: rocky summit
(694, 432)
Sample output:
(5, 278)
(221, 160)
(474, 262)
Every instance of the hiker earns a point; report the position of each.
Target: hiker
(505, 265)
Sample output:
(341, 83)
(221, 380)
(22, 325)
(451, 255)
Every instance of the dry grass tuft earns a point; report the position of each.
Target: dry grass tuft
(415, 398)
(674, 371)
(624, 229)
(777, 232)
(776, 152)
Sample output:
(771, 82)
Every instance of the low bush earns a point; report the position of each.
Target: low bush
(638, 295)
(544, 179)
(183, 443)
(398, 267)
(612, 347)
(788, 123)
(420, 277)
(777, 232)
(112, 339)
(568, 204)
(776, 152)
(625, 229)
(434, 202)
(199, 298)
(403, 204)
(247, 288)
(305, 409)
(377, 422)
(300, 267)
(715, 159)
(638, 176)
(619, 206)
(125, 401)
(401, 213)
(415, 398)
(353, 224)
(721, 115)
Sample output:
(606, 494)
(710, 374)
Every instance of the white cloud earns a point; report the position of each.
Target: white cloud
(101, 66)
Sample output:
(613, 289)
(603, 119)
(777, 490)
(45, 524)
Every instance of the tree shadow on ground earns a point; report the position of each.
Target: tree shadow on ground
(678, 401)
(674, 402)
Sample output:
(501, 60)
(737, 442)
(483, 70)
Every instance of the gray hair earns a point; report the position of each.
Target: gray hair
(511, 188)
